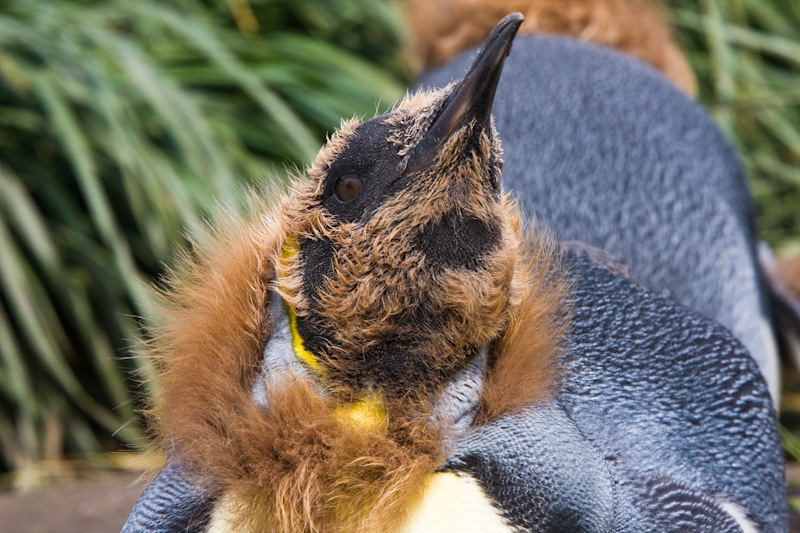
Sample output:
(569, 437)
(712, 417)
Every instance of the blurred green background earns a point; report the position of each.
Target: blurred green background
(124, 123)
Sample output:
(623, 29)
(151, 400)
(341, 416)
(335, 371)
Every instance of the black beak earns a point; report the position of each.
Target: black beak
(472, 98)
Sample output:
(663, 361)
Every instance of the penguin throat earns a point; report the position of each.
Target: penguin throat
(286, 357)
(456, 402)
(367, 413)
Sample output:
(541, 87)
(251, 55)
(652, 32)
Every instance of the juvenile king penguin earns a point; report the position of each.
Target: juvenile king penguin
(392, 349)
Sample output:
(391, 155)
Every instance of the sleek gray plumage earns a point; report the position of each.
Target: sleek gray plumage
(662, 415)
(663, 421)
(604, 150)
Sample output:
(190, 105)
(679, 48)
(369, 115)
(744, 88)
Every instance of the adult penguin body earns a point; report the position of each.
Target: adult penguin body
(392, 351)
(604, 151)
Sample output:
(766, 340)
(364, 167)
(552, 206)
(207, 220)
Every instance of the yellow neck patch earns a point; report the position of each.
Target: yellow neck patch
(368, 414)
(289, 251)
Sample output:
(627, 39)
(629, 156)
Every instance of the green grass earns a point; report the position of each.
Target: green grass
(122, 124)
(747, 57)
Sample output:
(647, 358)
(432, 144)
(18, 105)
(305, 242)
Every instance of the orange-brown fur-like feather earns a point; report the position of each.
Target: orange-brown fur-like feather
(300, 469)
(293, 465)
(213, 325)
(524, 368)
(443, 29)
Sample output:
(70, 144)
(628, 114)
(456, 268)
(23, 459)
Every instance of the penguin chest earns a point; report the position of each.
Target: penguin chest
(452, 502)
(446, 502)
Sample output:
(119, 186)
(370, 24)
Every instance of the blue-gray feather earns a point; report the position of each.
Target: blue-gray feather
(174, 502)
(662, 416)
(604, 150)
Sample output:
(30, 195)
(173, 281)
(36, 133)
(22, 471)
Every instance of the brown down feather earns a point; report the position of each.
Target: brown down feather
(524, 369)
(442, 29)
(379, 274)
(294, 466)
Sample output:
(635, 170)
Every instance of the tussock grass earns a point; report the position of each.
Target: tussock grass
(121, 125)
(747, 57)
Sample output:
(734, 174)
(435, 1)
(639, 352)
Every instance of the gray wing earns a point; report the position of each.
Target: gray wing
(662, 420)
(172, 503)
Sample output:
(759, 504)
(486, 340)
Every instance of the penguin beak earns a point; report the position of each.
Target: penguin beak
(472, 98)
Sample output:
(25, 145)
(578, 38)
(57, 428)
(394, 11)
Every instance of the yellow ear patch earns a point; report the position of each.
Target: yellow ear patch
(289, 251)
(291, 247)
(368, 414)
(452, 502)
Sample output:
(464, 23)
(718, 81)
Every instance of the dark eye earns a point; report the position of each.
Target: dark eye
(347, 187)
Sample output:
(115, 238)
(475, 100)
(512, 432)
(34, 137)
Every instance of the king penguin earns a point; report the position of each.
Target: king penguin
(392, 347)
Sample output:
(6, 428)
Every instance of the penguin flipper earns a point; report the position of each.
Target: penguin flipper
(173, 502)
(670, 505)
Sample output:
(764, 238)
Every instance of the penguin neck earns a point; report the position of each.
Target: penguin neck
(285, 357)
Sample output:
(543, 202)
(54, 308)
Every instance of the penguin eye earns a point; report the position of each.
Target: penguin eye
(347, 187)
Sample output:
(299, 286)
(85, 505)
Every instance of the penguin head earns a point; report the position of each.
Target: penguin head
(399, 248)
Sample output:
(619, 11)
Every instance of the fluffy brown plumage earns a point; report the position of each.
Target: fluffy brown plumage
(295, 465)
(380, 274)
(524, 369)
(442, 29)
